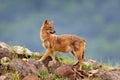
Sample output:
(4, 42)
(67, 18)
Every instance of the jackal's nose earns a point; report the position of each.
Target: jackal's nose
(54, 32)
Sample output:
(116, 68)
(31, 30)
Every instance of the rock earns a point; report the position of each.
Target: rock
(22, 67)
(92, 72)
(80, 74)
(1, 68)
(94, 64)
(46, 61)
(4, 52)
(29, 68)
(111, 75)
(31, 77)
(5, 46)
(3, 77)
(37, 54)
(52, 66)
(22, 50)
(16, 51)
(26, 68)
(5, 61)
(38, 65)
(66, 72)
(98, 73)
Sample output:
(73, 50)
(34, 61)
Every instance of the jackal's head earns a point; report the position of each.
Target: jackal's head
(48, 27)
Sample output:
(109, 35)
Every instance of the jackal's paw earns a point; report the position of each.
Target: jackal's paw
(39, 60)
(54, 61)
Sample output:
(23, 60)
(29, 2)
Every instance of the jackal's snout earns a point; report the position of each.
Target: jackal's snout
(49, 27)
(52, 32)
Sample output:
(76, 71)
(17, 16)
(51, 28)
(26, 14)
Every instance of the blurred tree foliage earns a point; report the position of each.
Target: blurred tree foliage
(97, 21)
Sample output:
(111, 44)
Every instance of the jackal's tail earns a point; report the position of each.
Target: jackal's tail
(83, 49)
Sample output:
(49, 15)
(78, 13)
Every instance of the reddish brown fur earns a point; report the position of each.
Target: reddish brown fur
(63, 43)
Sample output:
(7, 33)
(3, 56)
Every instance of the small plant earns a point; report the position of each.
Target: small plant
(15, 75)
(87, 67)
(5, 69)
(68, 61)
(25, 52)
(58, 57)
(33, 56)
(56, 77)
(63, 60)
(13, 54)
(96, 79)
(67, 79)
(43, 74)
(95, 67)
(107, 67)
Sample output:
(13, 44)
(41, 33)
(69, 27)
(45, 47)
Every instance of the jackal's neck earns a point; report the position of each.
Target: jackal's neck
(44, 35)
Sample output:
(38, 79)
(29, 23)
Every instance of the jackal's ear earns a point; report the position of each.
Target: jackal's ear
(46, 21)
(51, 22)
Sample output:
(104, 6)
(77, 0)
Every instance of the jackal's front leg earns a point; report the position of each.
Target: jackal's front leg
(46, 54)
(53, 57)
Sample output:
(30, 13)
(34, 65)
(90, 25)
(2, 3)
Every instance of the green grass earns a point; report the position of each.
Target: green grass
(87, 67)
(43, 74)
(13, 54)
(15, 75)
(46, 76)
(33, 56)
(68, 61)
(56, 77)
(25, 54)
(5, 69)
(108, 66)
(64, 60)
(58, 57)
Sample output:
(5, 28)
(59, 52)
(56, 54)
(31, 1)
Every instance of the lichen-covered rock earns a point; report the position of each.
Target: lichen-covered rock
(16, 51)
(4, 45)
(5, 60)
(30, 68)
(66, 72)
(3, 77)
(46, 61)
(22, 67)
(52, 66)
(1, 68)
(94, 64)
(25, 68)
(111, 75)
(38, 65)
(22, 50)
(4, 52)
(31, 77)
(98, 73)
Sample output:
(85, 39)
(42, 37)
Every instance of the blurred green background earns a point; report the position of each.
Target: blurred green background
(98, 21)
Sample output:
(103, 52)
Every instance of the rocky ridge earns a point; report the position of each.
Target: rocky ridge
(19, 63)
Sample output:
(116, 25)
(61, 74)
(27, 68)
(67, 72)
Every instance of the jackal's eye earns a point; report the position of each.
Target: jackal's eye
(50, 27)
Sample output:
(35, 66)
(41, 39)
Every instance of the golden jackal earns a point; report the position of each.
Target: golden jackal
(63, 43)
